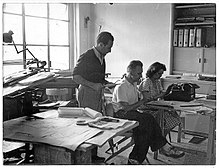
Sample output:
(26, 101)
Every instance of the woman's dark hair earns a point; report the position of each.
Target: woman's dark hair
(104, 37)
(154, 68)
(133, 64)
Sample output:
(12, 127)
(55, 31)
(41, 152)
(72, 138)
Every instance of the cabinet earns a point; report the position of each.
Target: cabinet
(194, 60)
(194, 38)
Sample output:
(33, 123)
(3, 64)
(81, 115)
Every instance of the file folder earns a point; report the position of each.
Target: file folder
(186, 38)
(175, 37)
(180, 41)
(191, 37)
(200, 37)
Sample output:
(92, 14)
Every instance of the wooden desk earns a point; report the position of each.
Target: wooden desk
(57, 148)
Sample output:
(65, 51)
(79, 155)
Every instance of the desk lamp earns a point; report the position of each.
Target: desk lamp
(7, 38)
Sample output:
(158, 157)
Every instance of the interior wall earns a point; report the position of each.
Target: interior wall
(141, 31)
(84, 11)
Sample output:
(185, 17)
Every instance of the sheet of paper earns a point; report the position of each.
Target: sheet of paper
(55, 131)
(102, 138)
(107, 125)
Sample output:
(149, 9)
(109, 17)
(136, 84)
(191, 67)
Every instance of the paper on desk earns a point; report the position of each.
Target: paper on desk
(55, 131)
(98, 123)
(47, 114)
(102, 138)
(196, 109)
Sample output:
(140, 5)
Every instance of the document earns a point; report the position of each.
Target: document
(54, 131)
(102, 138)
(107, 123)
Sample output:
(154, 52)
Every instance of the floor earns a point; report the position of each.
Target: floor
(187, 159)
(121, 159)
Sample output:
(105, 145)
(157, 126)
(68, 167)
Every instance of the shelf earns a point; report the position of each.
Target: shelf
(194, 6)
(195, 24)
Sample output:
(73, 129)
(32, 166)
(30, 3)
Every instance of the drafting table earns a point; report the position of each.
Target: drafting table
(18, 88)
(193, 123)
(45, 152)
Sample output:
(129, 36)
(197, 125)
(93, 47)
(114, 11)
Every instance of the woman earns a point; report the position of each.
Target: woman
(151, 88)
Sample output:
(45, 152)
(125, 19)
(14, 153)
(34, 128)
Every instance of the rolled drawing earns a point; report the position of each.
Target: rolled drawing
(71, 111)
(92, 113)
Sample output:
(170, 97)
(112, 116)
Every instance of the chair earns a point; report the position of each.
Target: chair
(114, 146)
(14, 150)
(161, 121)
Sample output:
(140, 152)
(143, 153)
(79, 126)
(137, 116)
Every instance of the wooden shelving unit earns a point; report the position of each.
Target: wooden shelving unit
(183, 6)
(200, 57)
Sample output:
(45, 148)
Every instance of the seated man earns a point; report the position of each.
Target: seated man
(148, 133)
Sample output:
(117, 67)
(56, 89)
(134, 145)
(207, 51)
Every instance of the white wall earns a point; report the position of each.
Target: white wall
(141, 31)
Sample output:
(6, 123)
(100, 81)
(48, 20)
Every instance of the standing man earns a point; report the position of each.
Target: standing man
(89, 73)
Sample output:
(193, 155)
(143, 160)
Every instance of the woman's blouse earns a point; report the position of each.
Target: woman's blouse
(153, 88)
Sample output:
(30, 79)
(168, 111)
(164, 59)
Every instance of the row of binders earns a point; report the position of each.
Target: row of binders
(193, 37)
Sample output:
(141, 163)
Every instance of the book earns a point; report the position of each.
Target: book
(186, 38)
(180, 41)
(191, 37)
(175, 37)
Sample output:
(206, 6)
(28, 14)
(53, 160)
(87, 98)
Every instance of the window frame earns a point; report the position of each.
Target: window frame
(70, 21)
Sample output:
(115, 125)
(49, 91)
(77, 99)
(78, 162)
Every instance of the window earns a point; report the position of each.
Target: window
(43, 29)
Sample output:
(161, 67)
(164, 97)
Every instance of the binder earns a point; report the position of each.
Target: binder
(191, 37)
(200, 37)
(180, 41)
(186, 38)
(175, 37)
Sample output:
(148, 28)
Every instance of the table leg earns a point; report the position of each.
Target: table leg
(50, 155)
(161, 123)
(211, 137)
(181, 128)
